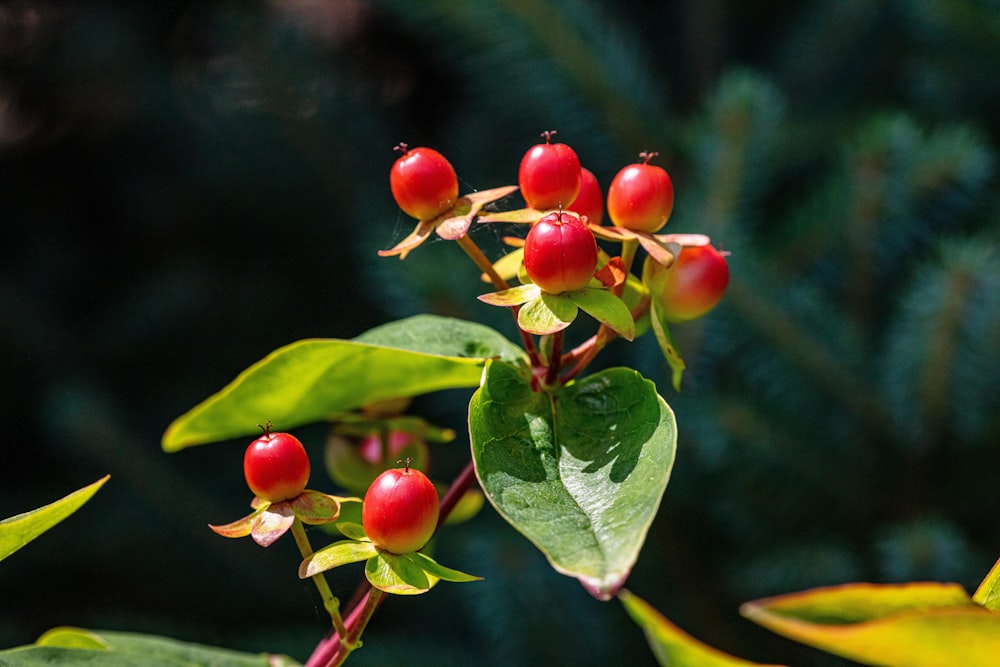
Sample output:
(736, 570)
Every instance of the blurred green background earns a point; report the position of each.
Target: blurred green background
(186, 186)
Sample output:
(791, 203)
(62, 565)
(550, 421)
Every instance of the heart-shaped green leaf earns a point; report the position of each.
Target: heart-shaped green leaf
(672, 646)
(314, 380)
(580, 472)
(918, 625)
(18, 530)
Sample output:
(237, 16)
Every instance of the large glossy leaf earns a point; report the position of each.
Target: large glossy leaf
(918, 625)
(73, 646)
(672, 646)
(314, 380)
(18, 530)
(579, 472)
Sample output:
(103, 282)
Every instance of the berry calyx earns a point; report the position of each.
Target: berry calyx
(549, 175)
(400, 510)
(691, 286)
(641, 196)
(276, 466)
(423, 182)
(589, 202)
(560, 253)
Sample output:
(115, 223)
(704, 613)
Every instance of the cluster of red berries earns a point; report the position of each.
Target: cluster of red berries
(560, 250)
(400, 510)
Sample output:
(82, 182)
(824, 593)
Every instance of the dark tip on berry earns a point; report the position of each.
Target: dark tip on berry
(402, 147)
(547, 135)
(406, 463)
(266, 427)
(646, 156)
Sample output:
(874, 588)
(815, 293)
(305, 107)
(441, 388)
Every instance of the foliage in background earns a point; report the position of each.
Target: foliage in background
(837, 415)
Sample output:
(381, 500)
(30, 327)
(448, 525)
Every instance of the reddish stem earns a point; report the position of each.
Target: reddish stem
(330, 650)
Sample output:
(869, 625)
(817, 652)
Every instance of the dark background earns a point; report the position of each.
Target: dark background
(186, 186)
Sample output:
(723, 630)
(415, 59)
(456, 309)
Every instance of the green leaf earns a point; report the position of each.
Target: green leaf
(335, 555)
(73, 646)
(435, 569)
(672, 646)
(514, 296)
(606, 308)
(666, 340)
(580, 473)
(398, 574)
(313, 380)
(18, 530)
(546, 314)
(918, 625)
(988, 593)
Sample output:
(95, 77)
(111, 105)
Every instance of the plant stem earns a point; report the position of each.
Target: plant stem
(330, 603)
(486, 266)
(583, 354)
(455, 492)
(555, 359)
(333, 651)
(483, 262)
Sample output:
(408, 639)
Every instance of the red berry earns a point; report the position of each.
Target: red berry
(560, 253)
(590, 201)
(549, 175)
(400, 510)
(276, 466)
(641, 196)
(691, 286)
(423, 182)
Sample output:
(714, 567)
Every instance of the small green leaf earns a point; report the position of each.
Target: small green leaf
(988, 593)
(666, 340)
(316, 508)
(335, 555)
(314, 380)
(918, 625)
(17, 531)
(353, 530)
(606, 308)
(547, 314)
(435, 569)
(579, 473)
(672, 646)
(398, 574)
(514, 296)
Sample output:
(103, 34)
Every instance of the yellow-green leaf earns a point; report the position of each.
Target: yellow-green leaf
(314, 380)
(18, 530)
(988, 593)
(672, 646)
(918, 625)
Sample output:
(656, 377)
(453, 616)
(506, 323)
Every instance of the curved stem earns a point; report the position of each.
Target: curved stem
(486, 266)
(330, 602)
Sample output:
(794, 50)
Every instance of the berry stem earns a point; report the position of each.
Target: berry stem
(330, 602)
(555, 359)
(486, 266)
(331, 652)
(583, 354)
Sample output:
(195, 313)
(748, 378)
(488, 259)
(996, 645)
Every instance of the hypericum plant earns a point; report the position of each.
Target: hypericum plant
(575, 462)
